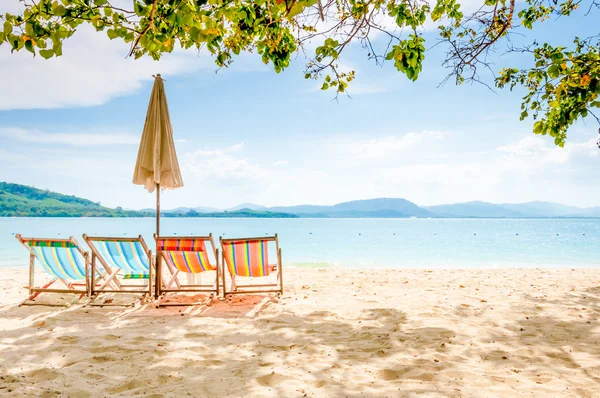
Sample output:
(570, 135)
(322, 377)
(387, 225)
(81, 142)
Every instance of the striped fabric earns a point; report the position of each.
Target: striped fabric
(136, 276)
(183, 245)
(186, 255)
(126, 255)
(247, 258)
(50, 243)
(62, 262)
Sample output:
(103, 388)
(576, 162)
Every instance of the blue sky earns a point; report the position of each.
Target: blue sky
(247, 134)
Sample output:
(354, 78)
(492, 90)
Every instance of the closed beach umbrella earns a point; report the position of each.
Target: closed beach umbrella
(157, 166)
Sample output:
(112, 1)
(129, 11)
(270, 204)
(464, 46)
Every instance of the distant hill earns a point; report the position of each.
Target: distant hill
(543, 209)
(188, 209)
(512, 210)
(589, 212)
(23, 201)
(249, 206)
(474, 209)
(244, 213)
(369, 208)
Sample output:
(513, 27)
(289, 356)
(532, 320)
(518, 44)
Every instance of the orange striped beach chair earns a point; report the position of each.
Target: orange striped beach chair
(249, 258)
(186, 255)
(64, 260)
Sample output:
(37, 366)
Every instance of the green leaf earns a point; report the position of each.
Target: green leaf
(46, 54)
(138, 8)
(29, 46)
(325, 86)
(194, 33)
(57, 48)
(112, 34)
(7, 28)
(29, 30)
(297, 9)
(60, 11)
(538, 127)
(553, 71)
(188, 19)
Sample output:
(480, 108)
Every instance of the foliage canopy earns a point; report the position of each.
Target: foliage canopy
(562, 84)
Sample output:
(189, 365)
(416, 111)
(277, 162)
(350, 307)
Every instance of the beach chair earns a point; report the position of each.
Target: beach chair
(186, 254)
(248, 258)
(64, 260)
(123, 259)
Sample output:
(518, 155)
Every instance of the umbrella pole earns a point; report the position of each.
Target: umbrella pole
(157, 270)
(157, 209)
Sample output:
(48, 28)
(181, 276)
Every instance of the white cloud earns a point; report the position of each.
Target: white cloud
(222, 164)
(75, 139)
(7, 156)
(91, 71)
(387, 146)
(532, 153)
(278, 163)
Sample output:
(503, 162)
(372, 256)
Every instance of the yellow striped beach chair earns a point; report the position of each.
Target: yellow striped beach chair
(64, 260)
(123, 259)
(186, 255)
(248, 258)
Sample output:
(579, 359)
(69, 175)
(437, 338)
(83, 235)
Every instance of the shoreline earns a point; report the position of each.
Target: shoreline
(335, 332)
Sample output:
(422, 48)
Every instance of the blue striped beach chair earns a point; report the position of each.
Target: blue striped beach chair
(123, 259)
(64, 260)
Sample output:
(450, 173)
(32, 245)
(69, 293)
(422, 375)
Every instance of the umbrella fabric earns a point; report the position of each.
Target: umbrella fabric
(157, 161)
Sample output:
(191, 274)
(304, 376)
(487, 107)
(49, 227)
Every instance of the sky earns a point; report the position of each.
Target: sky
(247, 134)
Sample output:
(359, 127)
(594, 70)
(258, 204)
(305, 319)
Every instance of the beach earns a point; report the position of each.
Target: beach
(334, 333)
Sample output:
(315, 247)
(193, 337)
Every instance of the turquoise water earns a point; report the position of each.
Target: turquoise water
(409, 243)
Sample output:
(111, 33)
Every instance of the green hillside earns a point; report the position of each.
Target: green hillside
(23, 201)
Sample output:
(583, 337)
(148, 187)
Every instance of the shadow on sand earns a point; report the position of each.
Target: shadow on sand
(223, 352)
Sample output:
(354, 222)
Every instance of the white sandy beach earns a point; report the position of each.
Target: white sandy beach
(335, 333)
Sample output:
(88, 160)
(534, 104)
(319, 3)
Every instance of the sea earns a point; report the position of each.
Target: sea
(353, 243)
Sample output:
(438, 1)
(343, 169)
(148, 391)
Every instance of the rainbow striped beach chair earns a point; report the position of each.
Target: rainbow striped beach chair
(188, 255)
(248, 258)
(64, 260)
(122, 259)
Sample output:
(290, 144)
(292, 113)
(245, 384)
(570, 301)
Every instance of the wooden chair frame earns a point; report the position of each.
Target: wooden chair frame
(71, 287)
(249, 289)
(181, 287)
(111, 281)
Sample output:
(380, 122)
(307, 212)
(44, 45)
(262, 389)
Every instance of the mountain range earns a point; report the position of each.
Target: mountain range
(402, 208)
(24, 201)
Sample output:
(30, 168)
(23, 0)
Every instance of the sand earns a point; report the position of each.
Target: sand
(335, 333)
